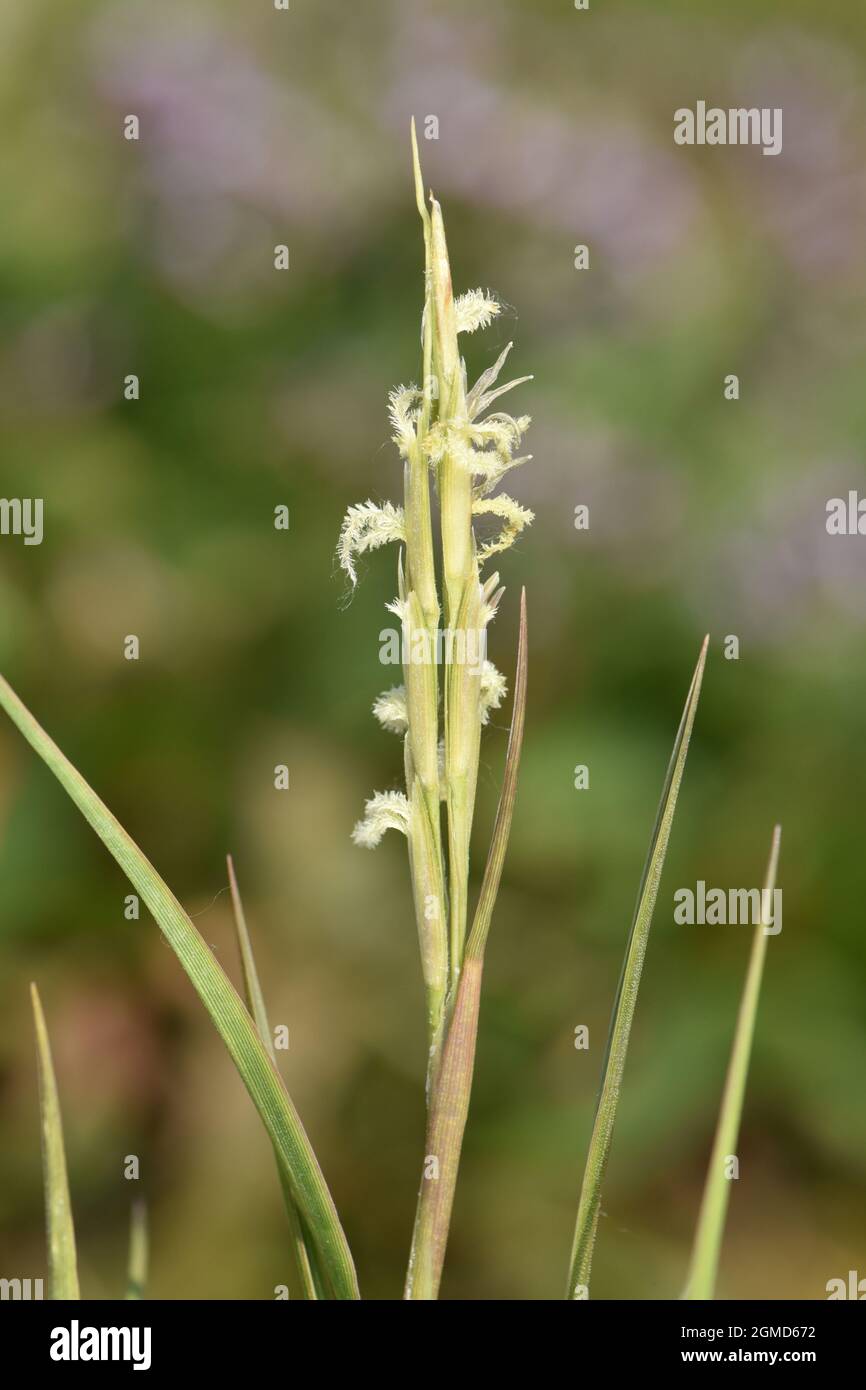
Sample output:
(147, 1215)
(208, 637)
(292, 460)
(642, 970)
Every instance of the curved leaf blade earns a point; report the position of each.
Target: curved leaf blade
(313, 1284)
(477, 939)
(62, 1261)
(701, 1282)
(626, 999)
(136, 1275)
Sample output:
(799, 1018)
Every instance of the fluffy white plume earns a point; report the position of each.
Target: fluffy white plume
(390, 710)
(384, 811)
(513, 517)
(485, 448)
(399, 607)
(493, 690)
(366, 527)
(403, 404)
(475, 309)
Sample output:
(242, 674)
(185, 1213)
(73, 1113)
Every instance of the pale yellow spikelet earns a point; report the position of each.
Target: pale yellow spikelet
(505, 431)
(481, 396)
(462, 451)
(446, 354)
(500, 432)
(497, 470)
(436, 442)
(484, 448)
(384, 811)
(366, 527)
(491, 595)
(498, 437)
(490, 396)
(485, 381)
(514, 519)
(493, 690)
(452, 441)
(390, 709)
(475, 309)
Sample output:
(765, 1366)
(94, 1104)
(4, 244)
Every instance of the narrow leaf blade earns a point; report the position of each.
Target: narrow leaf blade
(626, 999)
(701, 1282)
(221, 1000)
(252, 988)
(313, 1284)
(136, 1276)
(62, 1262)
(505, 810)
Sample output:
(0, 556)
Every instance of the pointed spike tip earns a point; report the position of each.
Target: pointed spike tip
(419, 181)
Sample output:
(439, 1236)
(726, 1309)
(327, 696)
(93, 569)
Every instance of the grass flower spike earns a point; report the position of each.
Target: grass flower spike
(450, 444)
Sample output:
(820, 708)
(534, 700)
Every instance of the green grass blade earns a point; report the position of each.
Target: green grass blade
(222, 1002)
(313, 1283)
(626, 999)
(701, 1280)
(451, 1084)
(252, 988)
(62, 1263)
(136, 1277)
(505, 810)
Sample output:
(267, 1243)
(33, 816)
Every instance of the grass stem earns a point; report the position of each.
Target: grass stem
(452, 1083)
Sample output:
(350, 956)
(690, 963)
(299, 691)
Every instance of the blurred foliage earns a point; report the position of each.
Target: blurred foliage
(260, 388)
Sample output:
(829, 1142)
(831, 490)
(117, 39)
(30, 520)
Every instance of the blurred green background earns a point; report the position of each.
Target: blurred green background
(260, 388)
